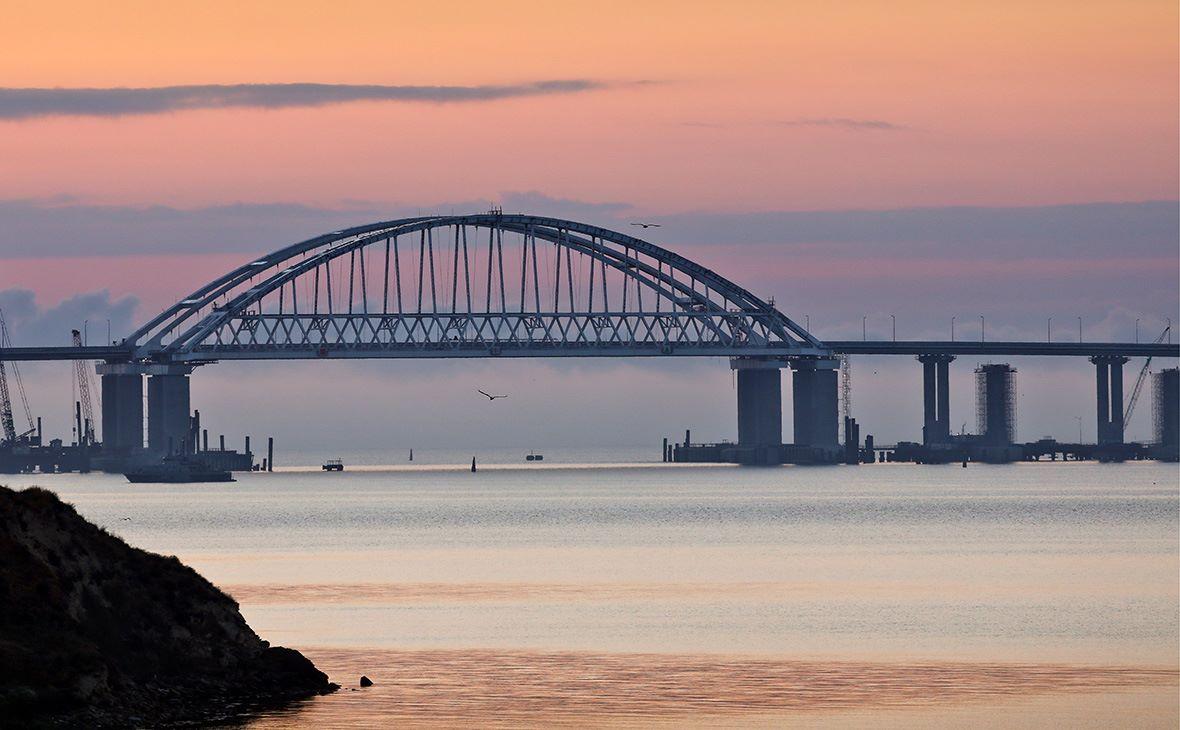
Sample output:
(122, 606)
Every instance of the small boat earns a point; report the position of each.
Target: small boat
(534, 457)
(176, 470)
(333, 465)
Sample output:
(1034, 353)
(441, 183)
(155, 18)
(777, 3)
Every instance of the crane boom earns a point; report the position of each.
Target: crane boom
(83, 394)
(1140, 380)
(6, 425)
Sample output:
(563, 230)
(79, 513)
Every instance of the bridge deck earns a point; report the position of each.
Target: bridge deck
(939, 347)
(94, 352)
(116, 353)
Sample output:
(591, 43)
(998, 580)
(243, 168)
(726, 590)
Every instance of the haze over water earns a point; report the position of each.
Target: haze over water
(646, 593)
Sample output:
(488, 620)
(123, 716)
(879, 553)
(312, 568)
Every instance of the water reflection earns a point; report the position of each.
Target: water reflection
(516, 688)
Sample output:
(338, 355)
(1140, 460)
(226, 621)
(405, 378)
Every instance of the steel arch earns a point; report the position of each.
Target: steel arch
(254, 311)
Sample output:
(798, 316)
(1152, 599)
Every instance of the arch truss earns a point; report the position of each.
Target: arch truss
(470, 286)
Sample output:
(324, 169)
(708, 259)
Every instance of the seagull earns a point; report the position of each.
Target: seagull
(647, 225)
(489, 396)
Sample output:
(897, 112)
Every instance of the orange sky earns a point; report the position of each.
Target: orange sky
(1000, 103)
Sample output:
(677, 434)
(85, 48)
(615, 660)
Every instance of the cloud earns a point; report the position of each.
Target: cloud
(537, 203)
(1094, 231)
(1113, 231)
(21, 103)
(59, 227)
(30, 324)
(858, 125)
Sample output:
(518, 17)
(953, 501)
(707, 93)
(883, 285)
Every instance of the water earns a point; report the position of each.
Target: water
(712, 595)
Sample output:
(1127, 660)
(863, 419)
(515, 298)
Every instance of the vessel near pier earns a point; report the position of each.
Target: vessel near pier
(176, 470)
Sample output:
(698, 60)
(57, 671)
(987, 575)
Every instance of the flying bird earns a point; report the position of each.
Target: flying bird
(647, 225)
(489, 396)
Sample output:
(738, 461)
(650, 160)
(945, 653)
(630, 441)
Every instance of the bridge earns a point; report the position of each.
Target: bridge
(497, 285)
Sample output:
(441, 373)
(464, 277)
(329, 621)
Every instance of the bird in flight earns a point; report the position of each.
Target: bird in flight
(489, 396)
(647, 225)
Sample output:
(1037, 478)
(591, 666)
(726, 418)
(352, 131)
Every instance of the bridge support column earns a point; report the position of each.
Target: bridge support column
(936, 395)
(1109, 381)
(814, 388)
(760, 402)
(168, 411)
(122, 413)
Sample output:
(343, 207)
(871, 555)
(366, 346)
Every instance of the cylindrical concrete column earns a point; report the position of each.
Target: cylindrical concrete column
(1166, 412)
(944, 398)
(1102, 370)
(109, 385)
(168, 413)
(929, 402)
(826, 408)
(1114, 432)
(760, 407)
(122, 414)
(802, 385)
(815, 388)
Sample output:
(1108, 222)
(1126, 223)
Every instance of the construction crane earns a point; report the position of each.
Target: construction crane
(845, 390)
(1141, 380)
(7, 422)
(81, 374)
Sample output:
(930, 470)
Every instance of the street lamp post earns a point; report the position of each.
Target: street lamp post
(894, 318)
(1079, 329)
(1136, 330)
(982, 329)
(864, 327)
(1049, 330)
(952, 329)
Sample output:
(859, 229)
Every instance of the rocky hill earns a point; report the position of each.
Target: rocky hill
(94, 632)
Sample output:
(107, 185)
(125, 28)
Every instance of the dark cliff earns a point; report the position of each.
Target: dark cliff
(95, 632)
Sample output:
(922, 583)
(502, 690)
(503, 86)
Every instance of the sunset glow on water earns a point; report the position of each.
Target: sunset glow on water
(629, 596)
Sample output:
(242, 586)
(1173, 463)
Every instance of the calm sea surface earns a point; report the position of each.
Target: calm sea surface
(623, 595)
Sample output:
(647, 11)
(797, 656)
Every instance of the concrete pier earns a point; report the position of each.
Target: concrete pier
(1109, 382)
(122, 414)
(1166, 412)
(996, 404)
(168, 412)
(936, 395)
(814, 389)
(760, 406)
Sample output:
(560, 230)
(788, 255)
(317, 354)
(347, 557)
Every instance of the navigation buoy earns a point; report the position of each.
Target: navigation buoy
(473, 464)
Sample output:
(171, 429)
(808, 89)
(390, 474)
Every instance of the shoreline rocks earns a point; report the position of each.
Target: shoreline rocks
(94, 632)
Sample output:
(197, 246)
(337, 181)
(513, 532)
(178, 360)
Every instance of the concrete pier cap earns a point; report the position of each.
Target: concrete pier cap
(139, 368)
